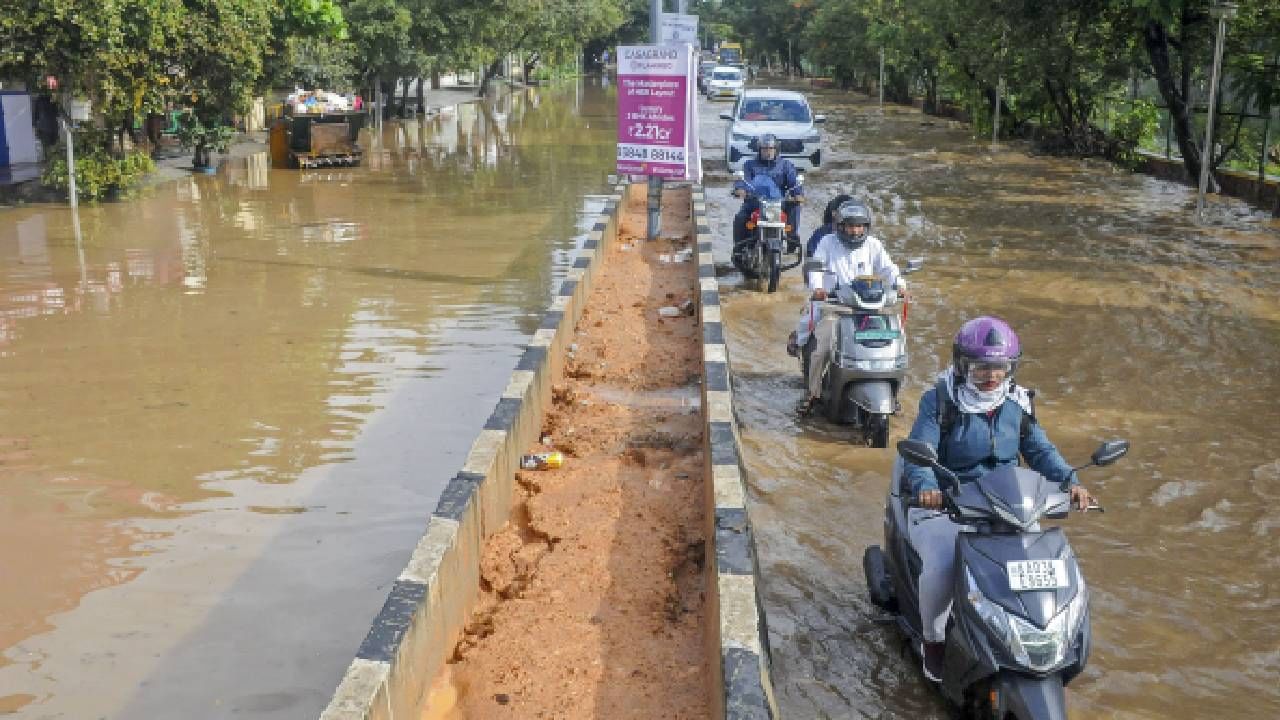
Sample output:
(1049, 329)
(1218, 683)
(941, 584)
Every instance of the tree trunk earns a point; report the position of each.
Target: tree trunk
(402, 106)
(422, 97)
(1156, 40)
(489, 73)
(530, 63)
(435, 79)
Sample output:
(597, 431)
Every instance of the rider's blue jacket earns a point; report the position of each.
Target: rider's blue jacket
(980, 442)
(781, 171)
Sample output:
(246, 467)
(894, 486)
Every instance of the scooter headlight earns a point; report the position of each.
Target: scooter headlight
(1035, 648)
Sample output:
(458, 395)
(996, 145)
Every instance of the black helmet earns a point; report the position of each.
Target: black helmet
(854, 213)
(836, 202)
(767, 140)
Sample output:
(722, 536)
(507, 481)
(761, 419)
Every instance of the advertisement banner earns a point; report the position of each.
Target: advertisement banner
(675, 29)
(653, 110)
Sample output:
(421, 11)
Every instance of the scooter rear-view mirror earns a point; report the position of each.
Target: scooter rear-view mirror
(914, 264)
(918, 452)
(1109, 452)
(819, 119)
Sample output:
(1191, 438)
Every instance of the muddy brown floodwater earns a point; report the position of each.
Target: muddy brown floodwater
(226, 417)
(591, 602)
(1136, 322)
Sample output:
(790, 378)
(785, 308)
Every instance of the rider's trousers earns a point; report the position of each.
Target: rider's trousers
(825, 328)
(934, 537)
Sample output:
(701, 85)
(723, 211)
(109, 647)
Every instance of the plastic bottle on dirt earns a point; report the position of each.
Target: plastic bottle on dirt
(542, 461)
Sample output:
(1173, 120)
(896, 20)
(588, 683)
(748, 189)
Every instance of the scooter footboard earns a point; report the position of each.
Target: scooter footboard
(1030, 698)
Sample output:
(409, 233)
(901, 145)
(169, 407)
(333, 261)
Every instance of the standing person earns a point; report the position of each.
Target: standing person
(840, 257)
(978, 420)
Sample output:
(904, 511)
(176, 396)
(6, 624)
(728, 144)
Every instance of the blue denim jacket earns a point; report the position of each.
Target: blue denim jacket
(979, 443)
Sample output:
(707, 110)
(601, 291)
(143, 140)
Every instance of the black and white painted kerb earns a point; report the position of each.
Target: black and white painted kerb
(430, 602)
(746, 689)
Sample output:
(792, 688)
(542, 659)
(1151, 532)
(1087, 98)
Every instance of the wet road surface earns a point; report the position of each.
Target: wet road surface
(1136, 323)
(227, 415)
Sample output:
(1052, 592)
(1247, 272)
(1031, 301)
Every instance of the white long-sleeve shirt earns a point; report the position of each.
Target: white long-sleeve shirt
(843, 265)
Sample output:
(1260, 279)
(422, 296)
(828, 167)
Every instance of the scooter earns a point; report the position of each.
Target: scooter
(760, 257)
(1019, 626)
(868, 360)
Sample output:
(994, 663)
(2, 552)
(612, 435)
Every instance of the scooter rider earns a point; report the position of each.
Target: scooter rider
(783, 173)
(978, 419)
(841, 256)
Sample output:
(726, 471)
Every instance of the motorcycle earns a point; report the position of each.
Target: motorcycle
(1019, 630)
(868, 358)
(760, 256)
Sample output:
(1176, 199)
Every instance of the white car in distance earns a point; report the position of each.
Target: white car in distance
(725, 81)
(783, 113)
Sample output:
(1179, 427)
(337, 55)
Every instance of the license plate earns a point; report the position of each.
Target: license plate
(876, 334)
(1037, 574)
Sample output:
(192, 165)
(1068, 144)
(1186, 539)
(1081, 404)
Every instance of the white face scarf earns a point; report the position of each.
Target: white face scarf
(969, 398)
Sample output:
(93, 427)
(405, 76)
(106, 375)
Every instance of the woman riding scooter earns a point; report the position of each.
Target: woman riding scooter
(978, 420)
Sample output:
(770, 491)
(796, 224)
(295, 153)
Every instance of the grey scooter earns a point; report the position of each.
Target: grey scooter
(868, 358)
(1019, 626)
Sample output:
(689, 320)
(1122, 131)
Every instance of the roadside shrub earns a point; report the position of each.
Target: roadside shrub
(99, 174)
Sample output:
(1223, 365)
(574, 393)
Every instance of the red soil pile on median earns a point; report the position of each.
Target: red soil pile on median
(592, 595)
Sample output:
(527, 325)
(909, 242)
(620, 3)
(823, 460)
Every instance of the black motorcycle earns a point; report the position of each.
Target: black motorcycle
(759, 257)
(1019, 627)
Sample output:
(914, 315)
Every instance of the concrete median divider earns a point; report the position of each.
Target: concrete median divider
(429, 604)
(736, 624)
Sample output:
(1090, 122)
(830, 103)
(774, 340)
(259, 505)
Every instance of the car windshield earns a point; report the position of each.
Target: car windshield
(774, 109)
(727, 75)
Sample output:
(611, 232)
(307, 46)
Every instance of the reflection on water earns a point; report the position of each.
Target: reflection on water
(240, 371)
(1137, 323)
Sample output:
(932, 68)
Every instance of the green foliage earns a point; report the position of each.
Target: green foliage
(1140, 120)
(193, 133)
(99, 174)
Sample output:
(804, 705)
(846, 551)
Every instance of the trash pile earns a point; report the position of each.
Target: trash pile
(303, 102)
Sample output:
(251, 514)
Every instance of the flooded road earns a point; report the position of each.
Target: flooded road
(227, 414)
(1135, 322)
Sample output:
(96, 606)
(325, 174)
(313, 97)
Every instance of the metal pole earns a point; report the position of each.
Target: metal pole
(682, 7)
(75, 201)
(655, 183)
(1262, 156)
(995, 124)
(1168, 133)
(1206, 156)
(882, 77)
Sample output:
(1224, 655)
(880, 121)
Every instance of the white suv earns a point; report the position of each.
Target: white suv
(725, 81)
(781, 112)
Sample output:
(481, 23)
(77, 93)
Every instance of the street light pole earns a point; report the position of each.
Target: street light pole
(1222, 12)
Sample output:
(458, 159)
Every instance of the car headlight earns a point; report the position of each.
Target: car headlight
(739, 137)
(1038, 649)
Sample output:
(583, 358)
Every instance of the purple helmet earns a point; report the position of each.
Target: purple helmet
(985, 339)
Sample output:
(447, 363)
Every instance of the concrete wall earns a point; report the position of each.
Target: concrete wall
(1235, 183)
(736, 632)
(429, 604)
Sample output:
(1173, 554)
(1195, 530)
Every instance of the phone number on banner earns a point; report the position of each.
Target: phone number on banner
(649, 153)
